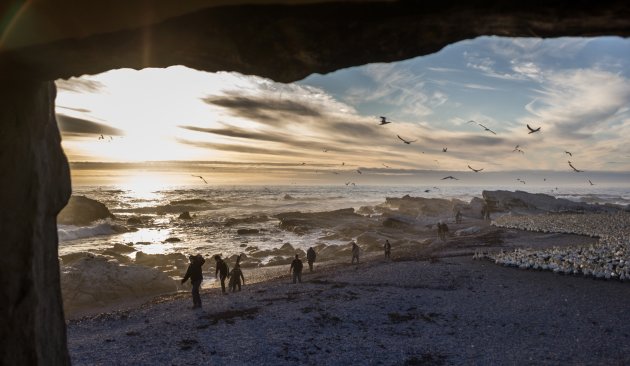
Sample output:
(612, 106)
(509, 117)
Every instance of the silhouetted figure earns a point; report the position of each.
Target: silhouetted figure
(388, 249)
(458, 217)
(439, 231)
(356, 251)
(222, 271)
(296, 269)
(194, 273)
(485, 211)
(235, 277)
(310, 258)
(444, 231)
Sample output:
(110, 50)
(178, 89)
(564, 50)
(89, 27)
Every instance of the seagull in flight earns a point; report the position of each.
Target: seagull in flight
(449, 177)
(532, 130)
(406, 141)
(591, 182)
(444, 149)
(384, 121)
(568, 153)
(487, 129)
(325, 150)
(517, 148)
(386, 166)
(574, 168)
(474, 170)
(200, 177)
(358, 171)
(101, 137)
(520, 180)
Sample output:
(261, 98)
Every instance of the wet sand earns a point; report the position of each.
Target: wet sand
(429, 305)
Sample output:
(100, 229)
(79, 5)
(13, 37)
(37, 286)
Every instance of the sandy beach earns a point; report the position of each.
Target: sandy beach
(429, 306)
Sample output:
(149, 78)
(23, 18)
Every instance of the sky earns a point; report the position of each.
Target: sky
(325, 128)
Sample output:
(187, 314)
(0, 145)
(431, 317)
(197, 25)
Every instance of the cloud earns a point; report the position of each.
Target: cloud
(72, 126)
(244, 149)
(262, 109)
(576, 104)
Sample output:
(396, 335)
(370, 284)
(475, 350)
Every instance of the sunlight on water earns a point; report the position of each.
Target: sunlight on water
(148, 235)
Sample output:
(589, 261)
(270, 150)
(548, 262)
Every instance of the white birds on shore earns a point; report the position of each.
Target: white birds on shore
(609, 258)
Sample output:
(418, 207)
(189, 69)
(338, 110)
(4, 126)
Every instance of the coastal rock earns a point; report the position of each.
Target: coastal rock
(81, 210)
(185, 215)
(420, 206)
(194, 201)
(526, 203)
(301, 223)
(97, 281)
(134, 220)
(246, 220)
(173, 240)
(247, 231)
(162, 260)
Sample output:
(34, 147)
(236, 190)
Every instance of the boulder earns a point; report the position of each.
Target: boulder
(185, 215)
(247, 231)
(526, 203)
(81, 211)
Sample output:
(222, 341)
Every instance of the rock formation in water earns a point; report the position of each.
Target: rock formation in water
(81, 210)
(525, 203)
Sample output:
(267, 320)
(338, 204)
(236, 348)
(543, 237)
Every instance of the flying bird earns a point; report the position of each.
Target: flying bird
(568, 153)
(449, 177)
(384, 121)
(343, 163)
(591, 182)
(517, 149)
(303, 163)
(520, 180)
(574, 168)
(487, 129)
(532, 130)
(325, 150)
(406, 141)
(200, 177)
(471, 121)
(475, 170)
(358, 171)
(386, 166)
(427, 190)
(101, 137)
(444, 149)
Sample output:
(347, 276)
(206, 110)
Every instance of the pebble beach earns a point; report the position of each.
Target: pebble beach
(435, 306)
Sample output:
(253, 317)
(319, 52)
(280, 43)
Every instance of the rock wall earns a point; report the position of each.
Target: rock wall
(35, 186)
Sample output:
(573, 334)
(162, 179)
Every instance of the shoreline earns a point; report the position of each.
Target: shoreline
(415, 309)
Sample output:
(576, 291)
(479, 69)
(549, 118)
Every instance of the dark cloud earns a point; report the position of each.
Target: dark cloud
(246, 149)
(263, 109)
(286, 139)
(80, 85)
(77, 126)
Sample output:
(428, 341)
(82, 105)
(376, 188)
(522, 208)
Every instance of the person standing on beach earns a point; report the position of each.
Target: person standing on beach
(356, 251)
(235, 277)
(458, 217)
(222, 271)
(310, 258)
(296, 268)
(388, 249)
(195, 275)
(439, 229)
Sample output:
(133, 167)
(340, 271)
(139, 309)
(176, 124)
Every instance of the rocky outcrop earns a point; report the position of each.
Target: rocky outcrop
(97, 281)
(526, 203)
(290, 42)
(81, 210)
(36, 186)
(301, 223)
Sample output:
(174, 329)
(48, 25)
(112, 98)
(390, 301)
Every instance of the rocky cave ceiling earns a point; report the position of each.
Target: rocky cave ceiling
(279, 41)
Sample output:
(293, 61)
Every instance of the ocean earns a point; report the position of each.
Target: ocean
(218, 212)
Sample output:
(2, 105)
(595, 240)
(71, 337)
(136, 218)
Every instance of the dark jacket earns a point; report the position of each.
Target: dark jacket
(296, 265)
(194, 270)
(222, 268)
(310, 255)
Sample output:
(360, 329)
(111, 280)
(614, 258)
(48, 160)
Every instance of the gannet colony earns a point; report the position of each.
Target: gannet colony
(609, 258)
